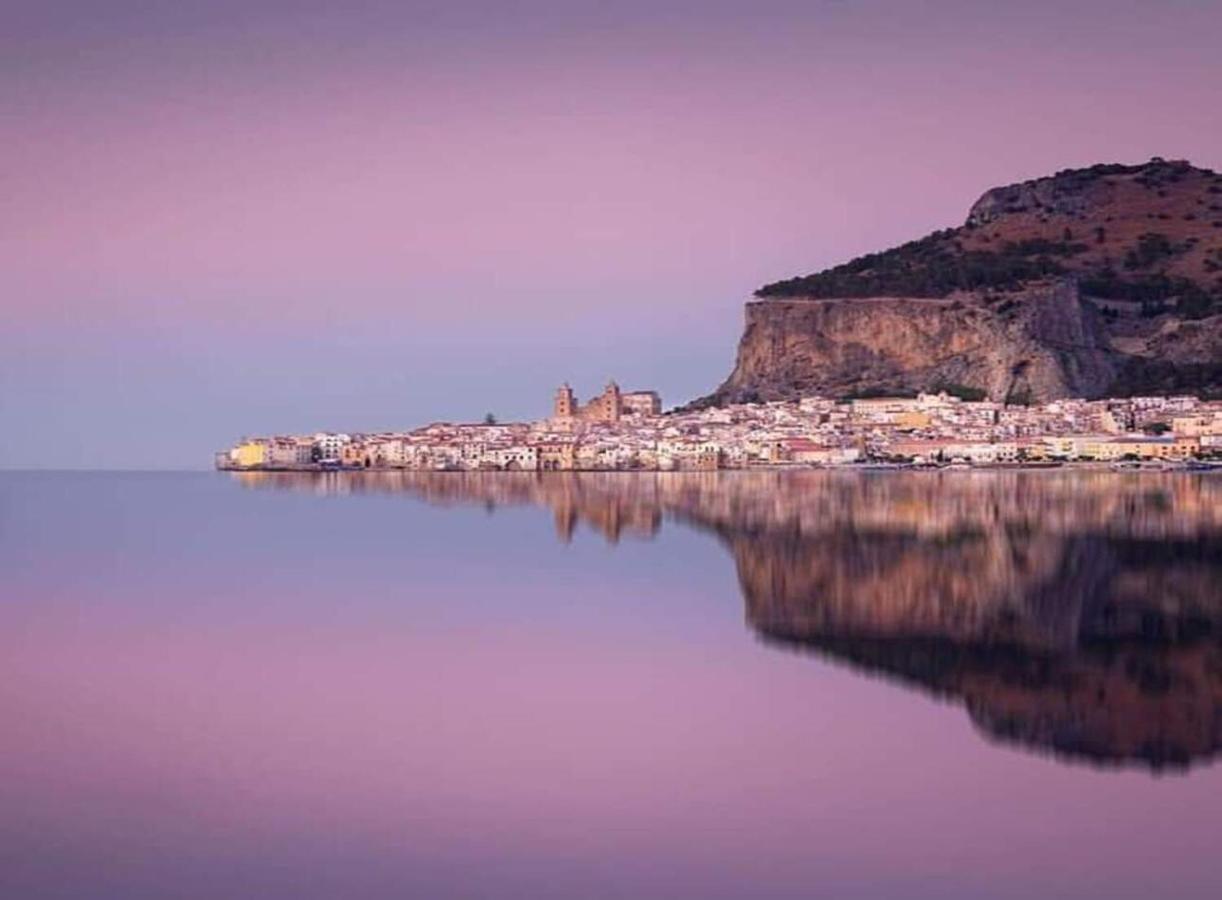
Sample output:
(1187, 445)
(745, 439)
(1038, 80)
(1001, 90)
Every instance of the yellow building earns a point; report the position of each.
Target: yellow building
(912, 419)
(1140, 447)
(249, 454)
(357, 454)
(557, 457)
(1160, 447)
(1194, 426)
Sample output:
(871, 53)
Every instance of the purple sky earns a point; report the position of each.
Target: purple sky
(268, 217)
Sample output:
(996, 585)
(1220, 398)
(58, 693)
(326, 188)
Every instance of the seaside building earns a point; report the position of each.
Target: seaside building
(557, 457)
(625, 431)
(250, 453)
(329, 445)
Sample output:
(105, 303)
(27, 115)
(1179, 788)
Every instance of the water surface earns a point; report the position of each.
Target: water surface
(711, 685)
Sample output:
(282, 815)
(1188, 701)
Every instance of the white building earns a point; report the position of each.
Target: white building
(330, 446)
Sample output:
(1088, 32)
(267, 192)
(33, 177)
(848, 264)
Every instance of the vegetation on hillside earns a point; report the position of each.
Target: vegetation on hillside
(1142, 375)
(939, 264)
(1155, 293)
(1140, 241)
(934, 266)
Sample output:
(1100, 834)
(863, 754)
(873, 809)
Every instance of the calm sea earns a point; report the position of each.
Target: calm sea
(955, 685)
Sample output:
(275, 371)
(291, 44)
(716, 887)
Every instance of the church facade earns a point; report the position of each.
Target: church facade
(610, 406)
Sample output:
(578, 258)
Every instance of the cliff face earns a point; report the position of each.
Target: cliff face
(1092, 282)
(1035, 344)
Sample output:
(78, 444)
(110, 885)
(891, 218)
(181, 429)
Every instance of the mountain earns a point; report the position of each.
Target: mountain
(1105, 281)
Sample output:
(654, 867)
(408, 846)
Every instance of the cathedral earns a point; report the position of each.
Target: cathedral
(609, 406)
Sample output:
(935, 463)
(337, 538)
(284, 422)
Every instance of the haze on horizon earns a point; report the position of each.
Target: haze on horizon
(278, 217)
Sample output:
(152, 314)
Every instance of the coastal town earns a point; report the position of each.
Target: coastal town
(628, 431)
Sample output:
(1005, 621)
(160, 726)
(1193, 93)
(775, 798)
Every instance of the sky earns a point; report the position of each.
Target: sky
(231, 218)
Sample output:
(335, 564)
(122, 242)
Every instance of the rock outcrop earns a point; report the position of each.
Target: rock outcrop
(1036, 344)
(1093, 282)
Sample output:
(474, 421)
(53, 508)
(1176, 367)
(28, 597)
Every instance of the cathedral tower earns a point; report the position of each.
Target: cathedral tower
(565, 405)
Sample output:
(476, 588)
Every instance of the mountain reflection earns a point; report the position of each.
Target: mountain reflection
(1077, 613)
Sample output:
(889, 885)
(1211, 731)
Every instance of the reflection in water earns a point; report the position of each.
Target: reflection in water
(1078, 613)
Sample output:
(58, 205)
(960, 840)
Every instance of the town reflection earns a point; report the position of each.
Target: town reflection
(1074, 613)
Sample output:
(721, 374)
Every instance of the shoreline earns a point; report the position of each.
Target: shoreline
(1057, 465)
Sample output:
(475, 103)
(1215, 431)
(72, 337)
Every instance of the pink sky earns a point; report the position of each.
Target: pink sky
(487, 200)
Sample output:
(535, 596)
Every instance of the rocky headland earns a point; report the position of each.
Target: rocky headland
(1096, 282)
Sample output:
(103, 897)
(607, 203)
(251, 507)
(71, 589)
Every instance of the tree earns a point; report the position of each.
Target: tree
(489, 419)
